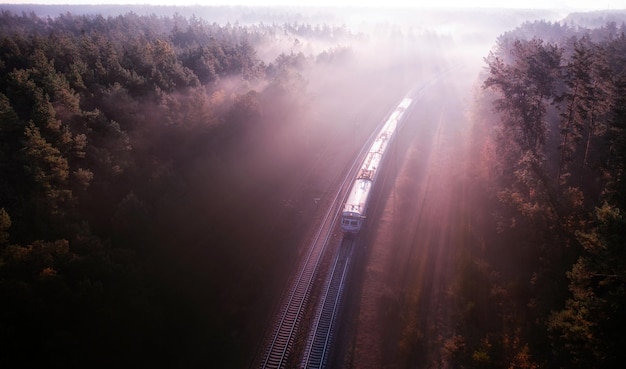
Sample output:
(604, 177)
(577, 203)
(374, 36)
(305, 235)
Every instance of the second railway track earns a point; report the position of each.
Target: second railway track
(320, 340)
(286, 327)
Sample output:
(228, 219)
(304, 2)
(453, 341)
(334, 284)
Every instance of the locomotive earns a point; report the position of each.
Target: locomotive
(355, 208)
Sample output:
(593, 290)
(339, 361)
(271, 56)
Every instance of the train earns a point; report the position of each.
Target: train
(355, 209)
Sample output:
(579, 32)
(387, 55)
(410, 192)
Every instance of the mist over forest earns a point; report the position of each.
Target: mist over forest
(157, 165)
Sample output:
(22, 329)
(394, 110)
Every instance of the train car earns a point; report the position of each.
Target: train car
(355, 208)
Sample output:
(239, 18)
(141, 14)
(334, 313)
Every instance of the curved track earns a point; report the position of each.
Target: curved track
(285, 330)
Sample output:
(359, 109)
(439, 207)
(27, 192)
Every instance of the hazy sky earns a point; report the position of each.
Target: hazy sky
(542, 4)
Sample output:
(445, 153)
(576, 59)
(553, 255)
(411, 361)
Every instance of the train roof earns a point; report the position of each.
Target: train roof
(405, 103)
(357, 200)
(356, 205)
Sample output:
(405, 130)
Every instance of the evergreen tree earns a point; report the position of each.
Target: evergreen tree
(574, 115)
(525, 86)
(588, 332)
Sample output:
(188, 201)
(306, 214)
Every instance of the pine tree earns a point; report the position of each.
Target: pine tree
(588, 332)
(525, 86)
(573, 115)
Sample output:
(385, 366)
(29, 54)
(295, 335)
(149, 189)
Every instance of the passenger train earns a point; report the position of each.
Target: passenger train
(355, 208)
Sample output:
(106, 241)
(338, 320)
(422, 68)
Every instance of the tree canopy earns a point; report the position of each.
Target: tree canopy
(553, 152)
(127, 156)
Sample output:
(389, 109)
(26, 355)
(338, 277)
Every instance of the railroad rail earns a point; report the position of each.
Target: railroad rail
(284, 331)
(320, 341)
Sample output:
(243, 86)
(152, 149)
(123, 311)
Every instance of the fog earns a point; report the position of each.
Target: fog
(165, 166)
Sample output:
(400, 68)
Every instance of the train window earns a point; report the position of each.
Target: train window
(345, 221)
(354, 223)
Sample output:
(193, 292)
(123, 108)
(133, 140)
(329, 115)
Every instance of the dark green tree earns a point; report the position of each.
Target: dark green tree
(526, 86)
(48, 170)
(599, 98)
(588, 333)
(524, 81)
(574, 115)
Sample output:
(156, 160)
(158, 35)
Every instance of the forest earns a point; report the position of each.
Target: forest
(132, 153)
(140, 225)
(543, 283)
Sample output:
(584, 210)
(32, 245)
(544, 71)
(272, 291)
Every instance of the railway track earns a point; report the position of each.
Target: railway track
(285, 330)
(320, 339)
